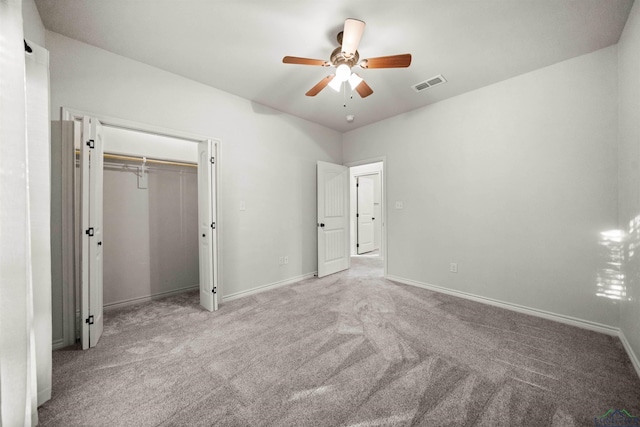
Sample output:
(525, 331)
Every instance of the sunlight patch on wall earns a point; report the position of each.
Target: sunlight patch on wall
(610, 280)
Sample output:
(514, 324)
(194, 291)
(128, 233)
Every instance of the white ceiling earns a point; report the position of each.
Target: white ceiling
(237, 45)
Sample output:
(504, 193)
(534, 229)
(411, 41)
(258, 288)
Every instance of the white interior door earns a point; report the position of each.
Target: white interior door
(96, 170)
(333, 218)
(364, 214)
(207, 226)
(377, 211)
(92, 261)
(85, 185)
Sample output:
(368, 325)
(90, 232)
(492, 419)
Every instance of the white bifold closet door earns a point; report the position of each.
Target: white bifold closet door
(91, 149)
(333, 218)
(207, 226)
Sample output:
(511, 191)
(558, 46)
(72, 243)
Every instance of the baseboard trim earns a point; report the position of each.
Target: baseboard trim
(632, 355)
(58, 344)
(44, 395)
(573, 321)
(146, 298)
(268, 287)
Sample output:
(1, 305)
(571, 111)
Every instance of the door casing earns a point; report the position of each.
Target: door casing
(383, 199)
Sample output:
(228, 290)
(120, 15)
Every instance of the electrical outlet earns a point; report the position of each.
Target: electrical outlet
(281, 260)
(286, 259)
(453, 267)
(399, 205)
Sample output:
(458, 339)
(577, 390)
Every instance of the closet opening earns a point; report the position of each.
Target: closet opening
(145, 224)
(367, 209)
(150, 220)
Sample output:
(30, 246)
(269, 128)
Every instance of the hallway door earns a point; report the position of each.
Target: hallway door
(364, 214)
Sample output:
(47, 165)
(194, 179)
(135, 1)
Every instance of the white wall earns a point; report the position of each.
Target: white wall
(267, 158)
(514, 182)
(134, 143)
(32, 23)
(629, 174)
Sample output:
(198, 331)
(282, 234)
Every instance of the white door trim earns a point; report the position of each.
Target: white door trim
(383, 160)
(71, 114)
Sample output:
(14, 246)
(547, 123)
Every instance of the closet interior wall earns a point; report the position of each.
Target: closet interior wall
(150, 230)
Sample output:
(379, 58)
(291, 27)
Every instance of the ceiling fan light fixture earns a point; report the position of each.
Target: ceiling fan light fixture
(343, 72)
(335, 84)
(354, 81)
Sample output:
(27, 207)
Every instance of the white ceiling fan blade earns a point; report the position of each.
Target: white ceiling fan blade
(353, 29)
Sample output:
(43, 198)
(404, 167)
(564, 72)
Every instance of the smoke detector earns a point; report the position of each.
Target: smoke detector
(350, 118)
(433, 81)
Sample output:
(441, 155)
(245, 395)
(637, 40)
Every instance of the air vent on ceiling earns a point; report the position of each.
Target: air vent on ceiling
(433, 81)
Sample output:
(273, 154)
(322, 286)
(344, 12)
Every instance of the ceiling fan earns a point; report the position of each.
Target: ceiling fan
(346, 56)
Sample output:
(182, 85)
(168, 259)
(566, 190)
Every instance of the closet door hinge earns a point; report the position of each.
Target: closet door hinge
(358, 185)
(213, 160)
(214, 290)
(213, 225)
(358, 245)
(89, 320)
(89, 232)
(357, 215)
(90, 143)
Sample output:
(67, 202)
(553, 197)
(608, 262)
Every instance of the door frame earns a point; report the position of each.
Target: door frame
(383, 198)
(71, 313)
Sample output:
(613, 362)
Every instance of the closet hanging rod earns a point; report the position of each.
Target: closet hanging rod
(157, 161)
(148, 160)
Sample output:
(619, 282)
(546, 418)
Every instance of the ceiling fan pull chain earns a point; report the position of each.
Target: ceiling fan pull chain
(344, 95)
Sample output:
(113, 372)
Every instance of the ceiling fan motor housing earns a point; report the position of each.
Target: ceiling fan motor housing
(338, 58)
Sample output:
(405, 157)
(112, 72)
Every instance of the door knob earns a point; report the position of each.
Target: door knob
(372, 218)
(321, 224)
(203, 235)
(99, 243)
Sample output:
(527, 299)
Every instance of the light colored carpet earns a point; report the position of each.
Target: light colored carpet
(351, 349)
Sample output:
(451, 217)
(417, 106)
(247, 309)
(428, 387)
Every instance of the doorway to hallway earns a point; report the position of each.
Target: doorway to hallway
(366, 217)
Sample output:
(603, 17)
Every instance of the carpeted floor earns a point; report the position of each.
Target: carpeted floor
(351, 349)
